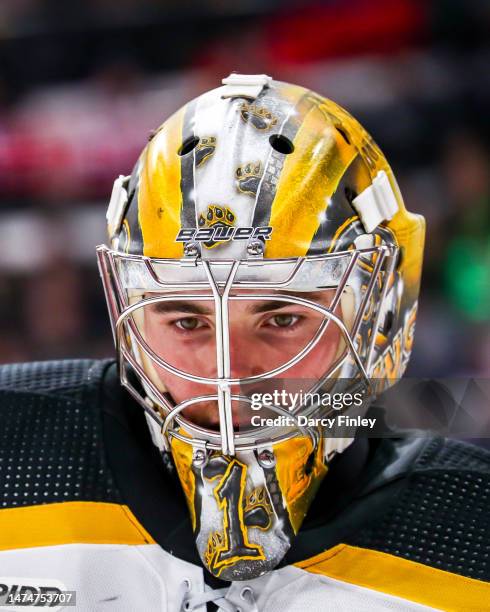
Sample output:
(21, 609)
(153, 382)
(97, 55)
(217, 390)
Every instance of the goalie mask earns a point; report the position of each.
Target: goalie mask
(261, 260)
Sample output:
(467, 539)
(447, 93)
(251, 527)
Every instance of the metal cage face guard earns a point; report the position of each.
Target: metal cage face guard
(248, 490)
(215, 284)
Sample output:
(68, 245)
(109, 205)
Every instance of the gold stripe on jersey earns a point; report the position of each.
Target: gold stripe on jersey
(400, 577)
(308, 179)
(70, 523)
(160, 196)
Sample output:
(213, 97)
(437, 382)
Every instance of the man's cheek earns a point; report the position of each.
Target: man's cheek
(181, 389)
(319, 359)
(177, 387)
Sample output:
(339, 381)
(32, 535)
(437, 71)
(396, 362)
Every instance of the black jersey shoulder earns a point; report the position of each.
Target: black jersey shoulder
(440, 515)
(426, 499)
(51, 443)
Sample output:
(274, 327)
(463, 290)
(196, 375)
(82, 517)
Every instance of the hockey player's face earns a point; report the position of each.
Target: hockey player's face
(264, 334)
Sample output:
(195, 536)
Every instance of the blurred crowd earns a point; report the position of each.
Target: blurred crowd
(82, 84)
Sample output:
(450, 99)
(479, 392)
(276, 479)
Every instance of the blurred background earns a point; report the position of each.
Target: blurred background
(82, 84)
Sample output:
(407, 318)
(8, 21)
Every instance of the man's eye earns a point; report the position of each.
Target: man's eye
(283, 320)
(189, 323)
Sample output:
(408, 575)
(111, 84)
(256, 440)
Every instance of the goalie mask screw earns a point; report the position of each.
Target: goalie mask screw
(266, 459)
(256, 247)
(191, 249)
(200, 458)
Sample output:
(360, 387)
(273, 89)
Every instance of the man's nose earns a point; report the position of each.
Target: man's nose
(246, 357)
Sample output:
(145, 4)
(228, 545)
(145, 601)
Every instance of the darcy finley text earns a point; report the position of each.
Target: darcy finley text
(304, 421)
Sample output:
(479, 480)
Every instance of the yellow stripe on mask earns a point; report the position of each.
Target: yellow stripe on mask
(308, 179)
(298, 485)
(160, 196)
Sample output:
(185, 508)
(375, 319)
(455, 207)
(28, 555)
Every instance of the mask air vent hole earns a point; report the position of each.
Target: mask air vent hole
(343, 133)
(188, 145)
(281, 144)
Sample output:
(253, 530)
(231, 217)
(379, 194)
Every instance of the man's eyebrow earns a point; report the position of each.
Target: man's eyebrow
(258, 307)
(180, 306)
